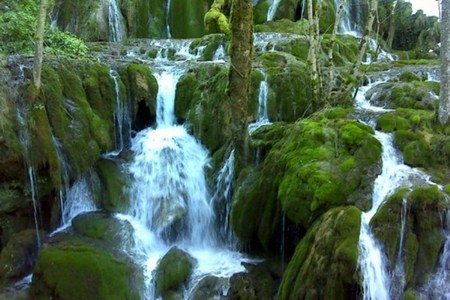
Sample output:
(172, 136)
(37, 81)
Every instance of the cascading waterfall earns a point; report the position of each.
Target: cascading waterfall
(79, 199)
(439, 285)
(170, 201)
(346, 24)
(116, 27)
(262, 118)
(272, 9)
(222, 198)
(122, 117)
(395, 174)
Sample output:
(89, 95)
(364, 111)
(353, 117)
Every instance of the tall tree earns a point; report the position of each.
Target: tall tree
(444, 108)
(39, 48)
(241, 52)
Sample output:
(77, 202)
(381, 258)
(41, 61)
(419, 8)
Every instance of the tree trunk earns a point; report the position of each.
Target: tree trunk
(241, 23)
(354, 72)
(39, 49)
(331, 69)
(313, 58)
(444, 107)
(391, 33)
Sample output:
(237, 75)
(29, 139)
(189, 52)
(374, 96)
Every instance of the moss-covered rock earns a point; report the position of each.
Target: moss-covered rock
(308, 167)
(208, 45)
(79, 271)
(18, 257)
(114, 183)
(173, 271)
(142, 88)
(325, 261)
(110, 233)
(422, 237)
(137, 14)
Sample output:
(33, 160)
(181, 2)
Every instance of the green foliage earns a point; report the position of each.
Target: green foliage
(19, 19)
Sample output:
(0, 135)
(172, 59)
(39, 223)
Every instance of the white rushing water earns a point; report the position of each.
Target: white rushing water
(395, 174)
(346, 24)
(122, 117)
(263, 118)
(170, 201)
(168, 31)
(272, 9)
(116, 23)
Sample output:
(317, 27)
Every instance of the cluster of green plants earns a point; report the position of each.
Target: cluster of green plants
(19, 20)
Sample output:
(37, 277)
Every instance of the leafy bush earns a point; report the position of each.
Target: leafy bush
(19, 21)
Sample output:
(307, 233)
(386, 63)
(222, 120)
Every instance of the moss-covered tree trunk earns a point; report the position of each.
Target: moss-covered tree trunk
(39, 49)
(444, 108)
(241, 24)
(314, 44)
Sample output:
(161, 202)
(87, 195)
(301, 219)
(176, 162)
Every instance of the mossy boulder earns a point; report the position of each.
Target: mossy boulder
(405, 94)
(288, 79)
(75, 270)
(105, 230)
(209, 287)
(422, 238)
(173, 271)
(143, 89)
(306, 169)
(18, 257)
(325, 261)
(114, 183)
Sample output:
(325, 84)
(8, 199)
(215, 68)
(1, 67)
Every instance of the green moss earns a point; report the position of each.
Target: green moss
(325, 261)
(283, 25)
(114, 183)
(186, 18)
(185, 90)
(82, 272)
(173, 270)
(390, 122)
(408, 77)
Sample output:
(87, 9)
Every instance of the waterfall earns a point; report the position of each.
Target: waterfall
(346, 24)
(395, 174)
(79, 199)
(222, 198)
(170, 199)
(262, 118)
(33, 188)
(439, 285)
(122, 117)
(272, 9)
(116, 27)
(399, 276)
(168, 31)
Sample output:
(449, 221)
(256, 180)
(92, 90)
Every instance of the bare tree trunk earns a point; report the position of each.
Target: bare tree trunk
(392, 28)
(241, 23)
(39, 49)
(313, 58)
(444, 107)
(331, 69)
(355, 70)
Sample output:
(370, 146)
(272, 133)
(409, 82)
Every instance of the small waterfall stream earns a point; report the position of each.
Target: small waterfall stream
(272, 9)
(263, 118)
(116, 23)
(395, 174)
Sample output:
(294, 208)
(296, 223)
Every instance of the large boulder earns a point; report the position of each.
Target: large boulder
(173, 271)
(307, 168)
(325, 261)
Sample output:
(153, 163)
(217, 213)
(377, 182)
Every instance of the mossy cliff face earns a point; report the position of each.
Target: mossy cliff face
(137, 14)
(86, 19)
(88, 262)
(325, 261)
(307, 168)
(423, 237)
(186, 18)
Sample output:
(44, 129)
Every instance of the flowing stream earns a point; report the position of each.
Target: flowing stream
(395, 174)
